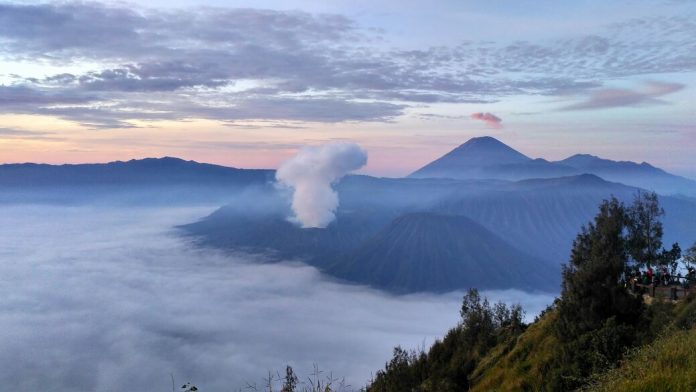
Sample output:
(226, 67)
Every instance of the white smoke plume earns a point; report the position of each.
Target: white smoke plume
(311, 175)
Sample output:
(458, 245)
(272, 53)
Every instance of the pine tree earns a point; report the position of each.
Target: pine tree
(597, 315)
(645, 229)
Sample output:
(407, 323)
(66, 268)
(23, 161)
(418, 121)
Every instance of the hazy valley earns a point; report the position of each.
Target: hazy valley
(241, 288)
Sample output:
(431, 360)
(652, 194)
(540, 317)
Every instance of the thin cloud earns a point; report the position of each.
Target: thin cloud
(19, 132)
(489, 119)
(619, 97)
(24, 134)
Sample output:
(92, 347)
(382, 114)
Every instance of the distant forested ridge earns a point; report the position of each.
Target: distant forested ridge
(139, 181)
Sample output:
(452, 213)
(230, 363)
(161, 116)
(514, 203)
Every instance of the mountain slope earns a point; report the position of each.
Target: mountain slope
(431, 252)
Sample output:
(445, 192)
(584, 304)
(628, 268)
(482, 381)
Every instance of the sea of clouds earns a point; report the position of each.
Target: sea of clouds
(106, 299)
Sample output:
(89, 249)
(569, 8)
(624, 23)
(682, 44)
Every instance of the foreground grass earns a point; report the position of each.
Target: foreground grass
(668, 364)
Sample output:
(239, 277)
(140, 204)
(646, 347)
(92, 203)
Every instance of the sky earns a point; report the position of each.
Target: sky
(246, 84)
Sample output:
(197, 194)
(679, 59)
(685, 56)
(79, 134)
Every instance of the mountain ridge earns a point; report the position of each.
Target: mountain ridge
(474, 160)
(135, 171)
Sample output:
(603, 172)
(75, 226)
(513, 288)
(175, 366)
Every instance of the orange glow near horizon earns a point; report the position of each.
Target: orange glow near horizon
(247, 145)
(395, 149)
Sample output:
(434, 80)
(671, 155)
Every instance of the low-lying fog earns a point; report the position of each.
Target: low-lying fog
(98, 299)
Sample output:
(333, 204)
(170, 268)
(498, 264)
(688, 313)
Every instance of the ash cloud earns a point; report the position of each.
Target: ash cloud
(311, 175)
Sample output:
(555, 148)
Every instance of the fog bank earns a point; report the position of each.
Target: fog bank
(95, 299)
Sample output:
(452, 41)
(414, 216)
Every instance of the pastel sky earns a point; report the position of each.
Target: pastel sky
(246, 83)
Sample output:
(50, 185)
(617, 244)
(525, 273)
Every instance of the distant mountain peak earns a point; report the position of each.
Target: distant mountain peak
(476, 153)
(483, 140)
(488, 144)
(165, 159)
(583, 156)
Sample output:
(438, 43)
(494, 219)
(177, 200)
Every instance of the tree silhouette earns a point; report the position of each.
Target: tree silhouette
(597, 315)
(644, 229)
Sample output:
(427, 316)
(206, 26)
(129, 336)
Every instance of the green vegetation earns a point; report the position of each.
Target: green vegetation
(585, 333)
(597, 317)
(446, 367)
(520, 365)
(667, 364)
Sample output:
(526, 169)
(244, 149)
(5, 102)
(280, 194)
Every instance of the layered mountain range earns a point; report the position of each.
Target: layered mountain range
(483, 215)
(486, 157)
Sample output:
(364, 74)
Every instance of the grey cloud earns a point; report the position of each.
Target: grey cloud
(617, 97)
(635, 47)
(118, 113)
(315, 109)
(201, 58)
(62, 29)
(24, 134)
(151, 77)
(177, 51)
(19, 95)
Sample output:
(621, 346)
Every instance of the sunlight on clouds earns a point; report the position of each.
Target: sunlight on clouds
(37, 68)
(38, 123)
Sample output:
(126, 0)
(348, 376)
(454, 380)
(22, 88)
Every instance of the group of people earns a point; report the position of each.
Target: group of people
(661, 276)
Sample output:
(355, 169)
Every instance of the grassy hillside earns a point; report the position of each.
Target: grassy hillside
(668, 364)
(520, 364)
(523, 362)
